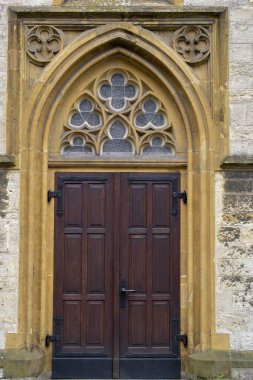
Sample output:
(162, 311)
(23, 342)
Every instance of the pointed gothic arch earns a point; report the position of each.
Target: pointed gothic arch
(142, 48)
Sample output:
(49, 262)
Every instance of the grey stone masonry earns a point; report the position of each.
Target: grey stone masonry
(234, 257)
(9, 252)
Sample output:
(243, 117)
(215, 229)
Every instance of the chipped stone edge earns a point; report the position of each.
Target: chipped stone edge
(239, 161)
(6, 161)
(28, 10)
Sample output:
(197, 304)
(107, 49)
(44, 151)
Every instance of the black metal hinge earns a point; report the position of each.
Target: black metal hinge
(183, 338)
(56, 338)
(51, 338)
(179, 195)
(53, 194)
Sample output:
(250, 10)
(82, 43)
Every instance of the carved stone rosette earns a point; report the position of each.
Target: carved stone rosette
(192, 43)
(43, 43)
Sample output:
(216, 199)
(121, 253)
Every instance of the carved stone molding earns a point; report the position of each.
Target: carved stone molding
(192, 43)
(43, 43)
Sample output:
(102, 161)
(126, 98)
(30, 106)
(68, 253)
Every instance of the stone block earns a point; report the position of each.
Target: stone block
(224, 301)
(230, 202)
(238, 218)
(240, 83)
(246, 233)
(243, 300)
(227, 234)
(241, 33)
(241, 15)
(245, 202)
(240, 52)
(233, 186)
(242, 373)
(210, 364)
(238, 69)
(234, 250)
(249, 114)
(240, 133)
(237, 113)
(8, 266)
(2, 341)
(230, 322)
(238, 174)
(20, 363)
(241, 147)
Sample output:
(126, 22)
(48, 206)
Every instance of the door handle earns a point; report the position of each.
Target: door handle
(124, 290)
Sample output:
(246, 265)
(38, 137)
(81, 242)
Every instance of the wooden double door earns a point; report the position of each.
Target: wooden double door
(116, 276)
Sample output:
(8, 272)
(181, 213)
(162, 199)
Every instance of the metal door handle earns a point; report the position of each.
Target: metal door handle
(124, 290)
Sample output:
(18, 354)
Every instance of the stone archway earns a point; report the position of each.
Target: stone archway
(144, 49)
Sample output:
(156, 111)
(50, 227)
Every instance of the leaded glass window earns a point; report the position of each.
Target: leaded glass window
(118, 117)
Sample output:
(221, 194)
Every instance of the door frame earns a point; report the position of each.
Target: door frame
(174, 177)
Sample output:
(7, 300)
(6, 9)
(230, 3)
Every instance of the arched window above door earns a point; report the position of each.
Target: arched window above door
(118, 115)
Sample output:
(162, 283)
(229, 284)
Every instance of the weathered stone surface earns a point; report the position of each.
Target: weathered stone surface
(3, 59)
(234, 256)
(9, 247)
(214, 365)
(242, 373)
(22, 363)
(238, 186)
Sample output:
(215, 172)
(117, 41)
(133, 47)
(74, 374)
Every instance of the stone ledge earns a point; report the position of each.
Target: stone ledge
(68, 11)
(20, 363)
(6, 161)
(245, 162)
(215, 364)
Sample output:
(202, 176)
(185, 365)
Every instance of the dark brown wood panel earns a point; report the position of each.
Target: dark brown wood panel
(149, 242)
(137, 263)
(96, 205)
(160, 326)
(161, 204)
(83, 266)
(116, 277)
(138, 205)
(137, 323)
(161, 263)
(95, 323)
(72, 275)
(72, 331)
(95, 263)
(73, 210)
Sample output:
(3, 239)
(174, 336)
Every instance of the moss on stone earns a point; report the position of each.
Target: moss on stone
(23, 363)
(215, 364)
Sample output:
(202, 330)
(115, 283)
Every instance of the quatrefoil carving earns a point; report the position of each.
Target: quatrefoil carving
(43, 43)
(118, 91)
(192, 43)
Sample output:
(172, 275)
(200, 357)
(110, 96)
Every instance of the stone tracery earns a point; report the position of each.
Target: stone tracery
(119, 116)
